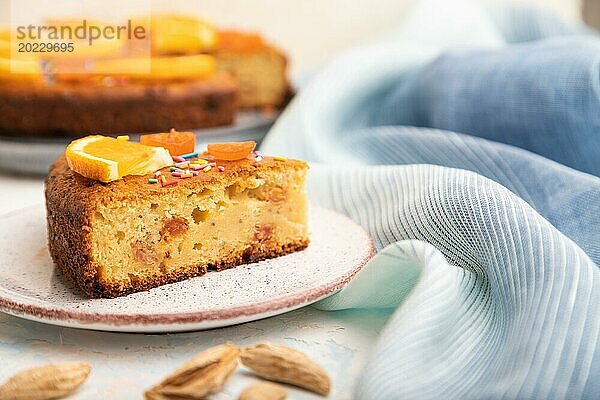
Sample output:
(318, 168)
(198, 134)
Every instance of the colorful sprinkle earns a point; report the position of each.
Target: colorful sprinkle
(123, 137)
(195, 173)
(278, 158)
(189, 155)
(152, 180)
(178, 159)
(199, 167)
(177, 174)
(182, 164)
(157, 174)
(221, 168)
(207, 168)
(169, 183)
(200, 161)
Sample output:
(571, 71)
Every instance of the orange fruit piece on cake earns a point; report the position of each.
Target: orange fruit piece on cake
(230, 151)
(197, 66)
(107, 159)
(181, 34)
(177, 143)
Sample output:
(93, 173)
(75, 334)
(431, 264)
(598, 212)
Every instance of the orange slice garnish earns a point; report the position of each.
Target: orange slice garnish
(183, 67)
(180, 34)
(20, 70)
(177, 143)
(235, 41)
(231, 150)
(107, 159)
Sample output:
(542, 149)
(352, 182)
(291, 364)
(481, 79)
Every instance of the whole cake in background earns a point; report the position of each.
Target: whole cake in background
(200, 77)
(126, 216)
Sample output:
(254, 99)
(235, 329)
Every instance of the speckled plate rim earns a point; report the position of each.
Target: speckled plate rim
(161, 322)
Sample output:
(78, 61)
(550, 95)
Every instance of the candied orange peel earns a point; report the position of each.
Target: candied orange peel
(231, 151)
(177, 143)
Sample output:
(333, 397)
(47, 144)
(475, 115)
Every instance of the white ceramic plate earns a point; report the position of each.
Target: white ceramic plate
(31, 288)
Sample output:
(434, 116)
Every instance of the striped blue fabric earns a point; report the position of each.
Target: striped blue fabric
(488, 251)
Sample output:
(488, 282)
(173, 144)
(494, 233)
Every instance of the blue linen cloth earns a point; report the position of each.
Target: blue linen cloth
(488, 237)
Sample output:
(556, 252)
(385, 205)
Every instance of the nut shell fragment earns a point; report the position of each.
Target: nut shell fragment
(263, 391)
(203, 375)
(50, 381)
(283, 364)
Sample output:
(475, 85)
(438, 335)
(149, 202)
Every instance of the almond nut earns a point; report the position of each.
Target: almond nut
(283, 364)
(50, 381)
(199, 377)
(263, 391)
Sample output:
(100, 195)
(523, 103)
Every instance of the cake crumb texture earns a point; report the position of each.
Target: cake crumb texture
(126, 236)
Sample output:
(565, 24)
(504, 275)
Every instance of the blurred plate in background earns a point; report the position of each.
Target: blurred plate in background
(33, 156)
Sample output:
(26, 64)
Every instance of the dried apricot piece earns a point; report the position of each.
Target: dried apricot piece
(231, 151)
(176, 142)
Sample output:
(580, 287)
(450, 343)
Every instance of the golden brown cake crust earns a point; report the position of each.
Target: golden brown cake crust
(71, 200)
(77, 109)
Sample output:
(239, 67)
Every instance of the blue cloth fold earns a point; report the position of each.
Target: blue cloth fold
(518, 23)
(488, 251)
(493, 301)
(569, 200)
(543, 96)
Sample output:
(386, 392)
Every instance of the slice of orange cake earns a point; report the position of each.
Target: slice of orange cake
(144, 226)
